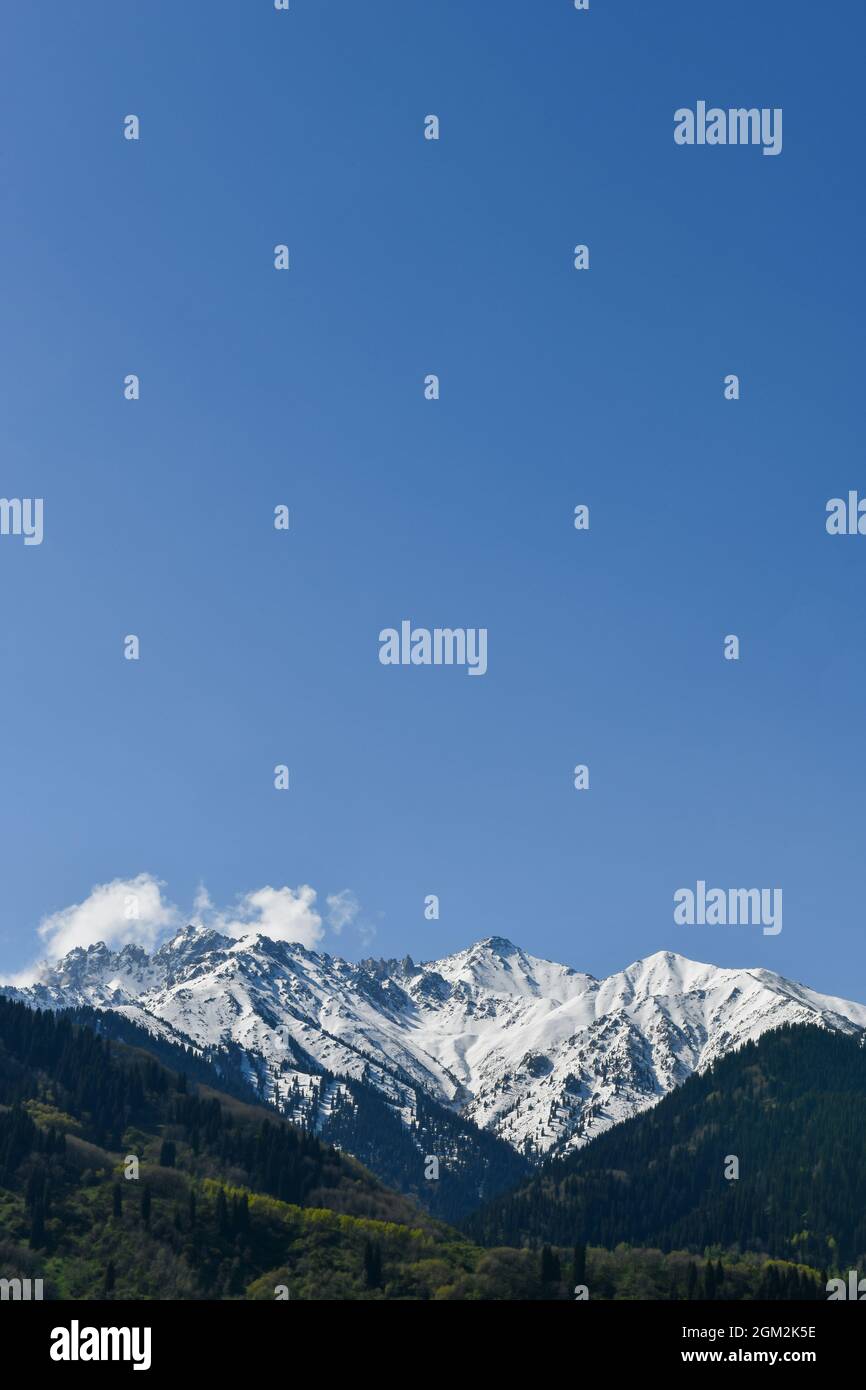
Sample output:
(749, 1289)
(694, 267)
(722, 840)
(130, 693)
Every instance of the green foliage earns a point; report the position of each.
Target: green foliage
(230, 1201)
(248, 1206)
(356, 1120)
(791, 1107)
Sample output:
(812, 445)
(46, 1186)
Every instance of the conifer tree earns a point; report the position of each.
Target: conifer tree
(550, 1268)
(372, 1264)
(222, 1214)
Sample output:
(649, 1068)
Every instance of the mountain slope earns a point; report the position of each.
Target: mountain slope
(227, 1201)
(537, 1055)
(123, 1179)
(473, 1165)
(790, 1108)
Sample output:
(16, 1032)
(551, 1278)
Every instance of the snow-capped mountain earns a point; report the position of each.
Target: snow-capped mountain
(541, 1055)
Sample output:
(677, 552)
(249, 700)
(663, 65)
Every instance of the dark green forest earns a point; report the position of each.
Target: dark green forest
(475, 1165)
(226, 1199)
(123, 1178)
(791, 1109)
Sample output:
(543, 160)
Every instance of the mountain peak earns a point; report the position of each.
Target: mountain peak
(662, 965)
(190, 930)
(671, 957)
(541, 1055)
(499, 945)
(192, 934)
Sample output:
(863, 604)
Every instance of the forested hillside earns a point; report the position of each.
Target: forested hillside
(474, 1165)
(121, 1178)
(225, 1199)
(787, 1114)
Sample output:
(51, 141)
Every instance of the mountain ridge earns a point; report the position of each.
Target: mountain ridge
(543, 1056)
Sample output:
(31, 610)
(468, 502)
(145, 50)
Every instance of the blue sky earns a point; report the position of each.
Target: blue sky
(557, 388)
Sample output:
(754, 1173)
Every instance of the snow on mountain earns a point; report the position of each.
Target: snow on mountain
(542, 1055)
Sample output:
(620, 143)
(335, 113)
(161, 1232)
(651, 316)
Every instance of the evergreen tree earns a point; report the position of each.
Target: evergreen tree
(551, 1272)
(222, 1214)
(372, 1264)
(242, 1214)
(37, 1225)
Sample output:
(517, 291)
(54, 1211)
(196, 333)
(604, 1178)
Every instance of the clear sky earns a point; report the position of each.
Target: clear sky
(558, 387)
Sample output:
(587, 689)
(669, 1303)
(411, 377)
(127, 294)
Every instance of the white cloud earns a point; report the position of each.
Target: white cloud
(125, 910)
(367, 932)
(286, 914)
(136, 910)
(201, 904)
(343, 908)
